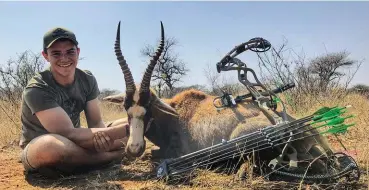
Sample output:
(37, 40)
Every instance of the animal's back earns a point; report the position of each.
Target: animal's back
(208, 125)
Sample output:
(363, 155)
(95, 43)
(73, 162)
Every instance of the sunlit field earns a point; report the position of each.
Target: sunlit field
(140, 173)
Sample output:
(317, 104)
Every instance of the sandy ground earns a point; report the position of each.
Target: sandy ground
(130, 174)
(133, 175)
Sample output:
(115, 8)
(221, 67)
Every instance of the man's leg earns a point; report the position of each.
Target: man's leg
(55, 151)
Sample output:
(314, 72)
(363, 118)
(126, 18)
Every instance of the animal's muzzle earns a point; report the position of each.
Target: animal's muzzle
(135, 150)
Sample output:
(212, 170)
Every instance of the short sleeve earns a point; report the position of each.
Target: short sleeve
(38, 99)
(94, 88)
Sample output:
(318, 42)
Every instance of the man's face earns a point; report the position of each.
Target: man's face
(63, 57)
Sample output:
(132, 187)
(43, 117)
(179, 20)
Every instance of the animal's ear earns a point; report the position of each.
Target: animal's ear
(160, 109)
(117, 99)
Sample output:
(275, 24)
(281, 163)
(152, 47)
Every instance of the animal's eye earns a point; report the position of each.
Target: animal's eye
(127, 104)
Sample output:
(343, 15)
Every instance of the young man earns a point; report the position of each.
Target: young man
(52, 138)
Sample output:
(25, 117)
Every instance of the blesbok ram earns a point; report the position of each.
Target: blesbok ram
(189, 121)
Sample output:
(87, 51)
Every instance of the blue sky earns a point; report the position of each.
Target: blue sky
(206, 31)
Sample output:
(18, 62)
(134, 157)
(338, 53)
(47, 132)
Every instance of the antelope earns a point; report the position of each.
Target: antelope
(189, 121)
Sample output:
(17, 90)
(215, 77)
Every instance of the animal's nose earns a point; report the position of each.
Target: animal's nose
(135, 150)
(134, 146)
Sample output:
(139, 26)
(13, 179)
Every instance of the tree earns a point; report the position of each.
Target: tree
(169, 69)
(320, 74)
(15, 74)
(212, 77)
(218, 85)
(327, 67)
(360, 89)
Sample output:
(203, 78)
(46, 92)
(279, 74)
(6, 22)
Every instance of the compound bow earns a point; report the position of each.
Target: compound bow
(281, 134)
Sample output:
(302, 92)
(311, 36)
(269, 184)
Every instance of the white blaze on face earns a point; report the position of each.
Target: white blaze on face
(136, 139)
(136, 96)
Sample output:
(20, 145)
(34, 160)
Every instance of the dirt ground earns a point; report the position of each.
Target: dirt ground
(130, 174)
(119, 176)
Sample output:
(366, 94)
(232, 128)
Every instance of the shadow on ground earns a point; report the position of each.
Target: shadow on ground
(114, 176)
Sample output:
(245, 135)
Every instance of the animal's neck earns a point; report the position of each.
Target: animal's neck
(149, 124)
(166, 136)
(167, 130)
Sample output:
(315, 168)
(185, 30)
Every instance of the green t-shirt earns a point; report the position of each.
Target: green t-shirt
(42, 92)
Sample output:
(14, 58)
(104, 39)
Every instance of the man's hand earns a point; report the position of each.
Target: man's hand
(102, 142)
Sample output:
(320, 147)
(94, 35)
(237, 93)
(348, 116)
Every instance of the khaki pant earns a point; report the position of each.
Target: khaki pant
(29, 169)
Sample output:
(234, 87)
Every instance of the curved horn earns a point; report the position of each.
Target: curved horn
(145, 85)
(130, 86)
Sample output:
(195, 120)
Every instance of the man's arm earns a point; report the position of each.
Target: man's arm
(55, 120)
(92, 109)
(94, 120)
(93, 114)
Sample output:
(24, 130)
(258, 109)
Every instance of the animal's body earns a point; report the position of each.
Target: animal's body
(189, 121)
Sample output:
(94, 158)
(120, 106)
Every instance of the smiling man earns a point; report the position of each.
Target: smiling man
(52, 138)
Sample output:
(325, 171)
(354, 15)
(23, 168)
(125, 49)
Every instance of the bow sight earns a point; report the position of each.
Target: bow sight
(271, 138)
(264, 97)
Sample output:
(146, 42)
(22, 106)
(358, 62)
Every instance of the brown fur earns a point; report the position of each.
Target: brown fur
(186, 103)
(207, 125)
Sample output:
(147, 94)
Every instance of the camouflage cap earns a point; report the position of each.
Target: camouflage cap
(58, 33)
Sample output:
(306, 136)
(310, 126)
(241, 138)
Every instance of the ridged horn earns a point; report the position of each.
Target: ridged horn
(145, 85)
(130, 85)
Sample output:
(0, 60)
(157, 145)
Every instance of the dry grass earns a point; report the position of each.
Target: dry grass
(357, 138)
(10, 125)
(109, 112)
(139, 174)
